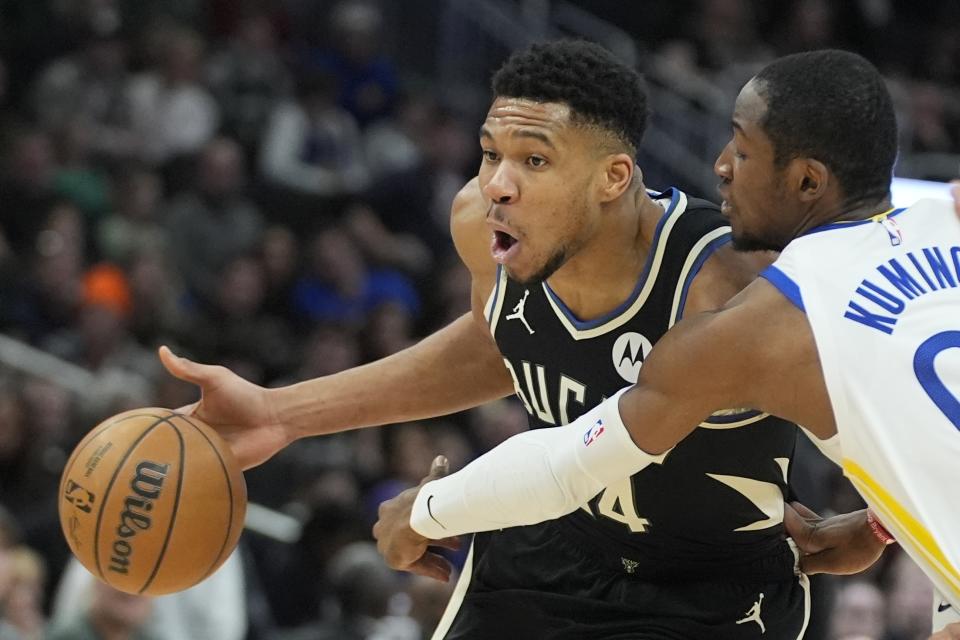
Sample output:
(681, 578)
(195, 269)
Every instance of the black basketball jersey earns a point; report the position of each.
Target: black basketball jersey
(716, 502)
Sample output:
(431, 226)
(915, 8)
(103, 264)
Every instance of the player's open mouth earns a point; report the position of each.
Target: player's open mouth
(503, 245)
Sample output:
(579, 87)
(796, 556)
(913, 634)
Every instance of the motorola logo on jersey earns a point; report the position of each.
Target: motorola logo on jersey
(629, 352)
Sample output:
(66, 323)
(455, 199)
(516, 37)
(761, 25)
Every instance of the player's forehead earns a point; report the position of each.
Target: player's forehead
(749, 110)
(508, 115)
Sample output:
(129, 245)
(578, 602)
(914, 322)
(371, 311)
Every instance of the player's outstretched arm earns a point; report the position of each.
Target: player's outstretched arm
(456, 368)
(757, 352)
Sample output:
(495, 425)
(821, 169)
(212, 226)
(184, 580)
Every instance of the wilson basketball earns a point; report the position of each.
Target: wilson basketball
(151, 501)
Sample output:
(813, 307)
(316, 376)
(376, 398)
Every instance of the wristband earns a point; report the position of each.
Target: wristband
(879, 531)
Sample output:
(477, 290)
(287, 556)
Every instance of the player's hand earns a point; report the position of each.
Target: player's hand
(949, 632)
(239, 410)
(402, 547)
(840, 545)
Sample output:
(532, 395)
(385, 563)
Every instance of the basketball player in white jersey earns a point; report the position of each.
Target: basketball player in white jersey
(854, 332)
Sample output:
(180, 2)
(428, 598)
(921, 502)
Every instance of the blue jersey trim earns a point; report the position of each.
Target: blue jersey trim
(851, 223)
(708, 251)
(496, 295)
(583, 325)
(785, 285)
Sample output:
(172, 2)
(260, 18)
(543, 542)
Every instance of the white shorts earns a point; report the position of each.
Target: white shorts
(943, 612)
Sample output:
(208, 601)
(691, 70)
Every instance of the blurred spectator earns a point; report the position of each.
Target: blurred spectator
(214, 222)
(858, 612)
(89, 88)
(133, 225)
(417, 201)
(8, 539)
(910, 600)
(160, 310)
(389, 329)
(212, 610)
(428, 601)
(110, 615)
(726, 35)
(27, 186)
(234, 326)
(358, 608)
(328, 350)
(78, 179)
(366, 77)
(101, 339)
(405, 251)
(247, 76)
(935, 119)
(24, 600)
(394, 144)
(331, 525)
(312, 146)
(337, 286)
(280, 253)
(173, 113)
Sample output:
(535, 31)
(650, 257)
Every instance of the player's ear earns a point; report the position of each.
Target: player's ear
(811, 177)
(617, 176)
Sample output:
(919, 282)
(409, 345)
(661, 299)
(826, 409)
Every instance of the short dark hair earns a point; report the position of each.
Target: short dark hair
(599, 89)
(835, 107)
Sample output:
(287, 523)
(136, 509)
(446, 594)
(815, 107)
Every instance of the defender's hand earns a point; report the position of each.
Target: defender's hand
(840, 545)
(239, 410)
(949, 632)
(402, 547)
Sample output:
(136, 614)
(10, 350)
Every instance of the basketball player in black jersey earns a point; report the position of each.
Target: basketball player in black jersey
(577, 270)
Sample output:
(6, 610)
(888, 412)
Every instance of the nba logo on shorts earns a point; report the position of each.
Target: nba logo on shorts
(593, 433)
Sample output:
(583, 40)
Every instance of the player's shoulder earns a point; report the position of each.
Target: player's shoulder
(468, 205)
(467, 219)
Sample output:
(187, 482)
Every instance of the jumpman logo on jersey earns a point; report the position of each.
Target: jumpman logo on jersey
(518, 311)
(753, 615)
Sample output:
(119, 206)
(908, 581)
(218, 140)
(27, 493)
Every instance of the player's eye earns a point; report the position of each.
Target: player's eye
(490, 156)
(537, 162)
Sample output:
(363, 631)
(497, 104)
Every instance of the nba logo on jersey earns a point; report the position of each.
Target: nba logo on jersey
(629, 352)
(893, 231)
(593, 433)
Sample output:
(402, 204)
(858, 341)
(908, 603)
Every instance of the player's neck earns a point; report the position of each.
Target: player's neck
(604, 273)
(849, 210)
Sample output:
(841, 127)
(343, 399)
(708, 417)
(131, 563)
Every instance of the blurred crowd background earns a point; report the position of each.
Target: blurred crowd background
(265, 184)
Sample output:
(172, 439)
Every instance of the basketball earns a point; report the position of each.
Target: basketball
(151, 501)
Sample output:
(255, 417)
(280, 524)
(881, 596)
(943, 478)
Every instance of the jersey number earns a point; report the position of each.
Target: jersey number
(923, 367)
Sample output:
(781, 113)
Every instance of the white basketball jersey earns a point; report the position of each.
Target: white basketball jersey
(883, 299)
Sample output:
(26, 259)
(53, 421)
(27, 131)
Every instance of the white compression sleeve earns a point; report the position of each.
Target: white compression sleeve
(532, 477)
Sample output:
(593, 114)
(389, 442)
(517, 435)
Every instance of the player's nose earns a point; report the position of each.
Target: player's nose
(502, 187)
(723, 166)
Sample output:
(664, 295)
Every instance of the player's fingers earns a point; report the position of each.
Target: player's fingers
(188, 409)
(433, 566)
(179, 366)
(439, 467)
(804, 511)
(956, 196)
(816, 563)
(800, 529)
(452, 543)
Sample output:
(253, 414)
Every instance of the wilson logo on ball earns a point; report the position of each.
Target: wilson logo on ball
(146, 484)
